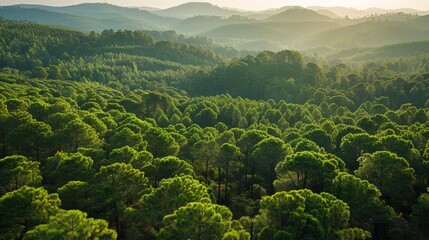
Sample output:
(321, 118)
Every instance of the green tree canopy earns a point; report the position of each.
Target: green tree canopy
(303, 214)
(420, 216)
(391, 174)
(355, 145)
(119, 185)
(171, 194)
(17, 171)
(363, 198)
(307, 170)
(267, 154)
(197, 221)
(25, 208)
(160, 143)
(72, 224)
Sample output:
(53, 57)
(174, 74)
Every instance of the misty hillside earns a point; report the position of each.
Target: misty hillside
(274, 29)
(328, 13)
(356, 13)
(368, 34)
(401, 50)
(88, 17)
(193, 9)
(281, 34)
(200, 24)
(421, 22)
(53, 18)
(299, 15)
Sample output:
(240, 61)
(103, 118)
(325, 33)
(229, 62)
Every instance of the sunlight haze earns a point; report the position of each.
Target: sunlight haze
(244, 4)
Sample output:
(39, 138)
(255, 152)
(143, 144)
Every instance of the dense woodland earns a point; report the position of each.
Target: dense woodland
(128, 135)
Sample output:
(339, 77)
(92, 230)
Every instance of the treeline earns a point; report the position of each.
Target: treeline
(345, 158)
(47, 52)
(222, 50)
(285, 75)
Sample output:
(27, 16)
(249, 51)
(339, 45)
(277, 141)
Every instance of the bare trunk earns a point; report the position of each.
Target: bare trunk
(226, 182)
(218, 187)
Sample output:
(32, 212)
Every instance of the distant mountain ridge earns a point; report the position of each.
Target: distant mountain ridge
(291, 27)
(102, 15)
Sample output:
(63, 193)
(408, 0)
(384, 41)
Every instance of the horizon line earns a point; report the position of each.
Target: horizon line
(224, 7)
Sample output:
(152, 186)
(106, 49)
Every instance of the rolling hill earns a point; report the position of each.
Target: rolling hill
(290, 27)
(281, 34)
(356, 13)
(89, 16)
(200, 24)
(193, 9)
(421, 22)
(368, 34)
(52, 18)
(299, 15)
(403, 50)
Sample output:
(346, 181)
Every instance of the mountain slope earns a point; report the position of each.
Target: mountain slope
(368, 34)
(421, 22)
(403, 50)
(52, 18)
(105, 16)
(200, 24)
(281, 34)
(193, 9)
(299, 15)
(328, 13)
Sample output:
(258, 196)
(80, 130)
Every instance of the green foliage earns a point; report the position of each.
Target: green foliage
(118, 186)
(391, 174)
(121, 182)
(114, 132)
(171, 194)
(363, 198)
(354, 145)
(169, 167)
(353, 233)
(17, 171)
(33, 135)
(160, 143)
(267, 153)
(24, 209)
(79, 134)
(303, 214)
(77, 195)
(72, 224)
(197, 221)
(419, 216)
(307, 170)
(65, 167)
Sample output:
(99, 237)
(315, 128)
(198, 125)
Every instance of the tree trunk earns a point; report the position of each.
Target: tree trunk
(252, 180)
(226, 182)
(218, 187)
(116, 219)
(271, 180)
(4, 144)
(207, 171)
(38, 154)
(246, 161)
(251, 231)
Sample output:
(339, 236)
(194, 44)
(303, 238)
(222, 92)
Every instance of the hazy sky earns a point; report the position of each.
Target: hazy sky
(244, 4)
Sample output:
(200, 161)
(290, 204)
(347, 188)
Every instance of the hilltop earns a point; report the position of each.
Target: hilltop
(299, 15)
(193, 9)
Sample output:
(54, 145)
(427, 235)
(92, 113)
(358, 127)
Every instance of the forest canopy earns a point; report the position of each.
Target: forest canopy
(134, 137)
